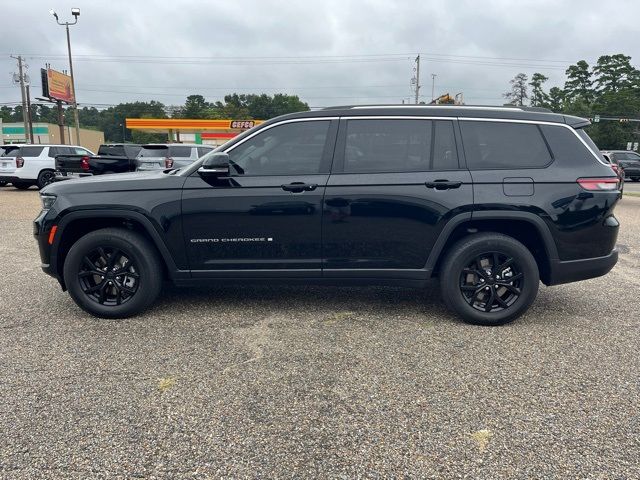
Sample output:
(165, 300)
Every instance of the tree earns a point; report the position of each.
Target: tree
(556, 99)
(614, 72)
(579, 83)
(260, 107)
(196, 107)
(539, 97)
(518, 94)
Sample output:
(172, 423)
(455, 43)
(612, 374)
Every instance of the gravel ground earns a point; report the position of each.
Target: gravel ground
(316, 382)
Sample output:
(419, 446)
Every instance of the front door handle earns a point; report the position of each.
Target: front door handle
(443, 184)
(298, 187)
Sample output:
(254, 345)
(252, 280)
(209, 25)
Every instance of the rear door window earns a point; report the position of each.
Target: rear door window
(504, 145)
(399, 145)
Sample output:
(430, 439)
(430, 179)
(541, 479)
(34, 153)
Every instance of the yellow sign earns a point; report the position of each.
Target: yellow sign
(59, 86)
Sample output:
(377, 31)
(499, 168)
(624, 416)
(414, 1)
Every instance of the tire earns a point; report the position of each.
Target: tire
(21, 185)
(45, 178)
(469, 283)
(635, 179)
(3, 183)
(135, 283)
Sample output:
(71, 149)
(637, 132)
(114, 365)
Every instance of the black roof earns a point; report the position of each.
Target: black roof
(476, 111)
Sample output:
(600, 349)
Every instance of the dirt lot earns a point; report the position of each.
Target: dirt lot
(316, 382)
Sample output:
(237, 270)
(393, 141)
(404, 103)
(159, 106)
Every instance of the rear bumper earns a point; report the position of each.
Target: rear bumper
(583, 269)
(9, 179)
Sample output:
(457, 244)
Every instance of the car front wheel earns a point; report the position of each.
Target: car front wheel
(113, 273)
(489, 279)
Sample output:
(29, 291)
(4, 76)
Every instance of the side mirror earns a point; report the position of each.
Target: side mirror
(215, 165)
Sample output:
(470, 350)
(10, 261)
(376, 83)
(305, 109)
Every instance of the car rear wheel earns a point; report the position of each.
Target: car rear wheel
(113, 273)
(2, 183)
(635, 179)
(489, 279)
(22, 185)
(45, 178)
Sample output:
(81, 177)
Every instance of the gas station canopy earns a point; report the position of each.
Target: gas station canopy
(205, 129)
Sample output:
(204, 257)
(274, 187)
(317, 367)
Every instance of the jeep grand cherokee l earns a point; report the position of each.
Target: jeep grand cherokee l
(490, 200)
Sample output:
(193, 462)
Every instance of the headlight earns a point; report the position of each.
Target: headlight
(47, 201)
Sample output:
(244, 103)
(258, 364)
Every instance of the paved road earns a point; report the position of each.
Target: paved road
(316, 382)
(630, 186)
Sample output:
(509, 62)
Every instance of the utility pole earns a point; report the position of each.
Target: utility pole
(29, 116)
(417, 79)
(73, 87)
(76, 13)
(61, 121)
(433, 85)
(24, 98)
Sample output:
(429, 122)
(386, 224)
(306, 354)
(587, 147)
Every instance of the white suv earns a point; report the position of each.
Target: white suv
(25, 165)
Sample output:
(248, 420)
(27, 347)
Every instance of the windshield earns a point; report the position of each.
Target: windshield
(9, 151)
(153, 151)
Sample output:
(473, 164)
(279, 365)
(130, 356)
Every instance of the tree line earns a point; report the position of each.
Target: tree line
(111, 120)
(610, 88)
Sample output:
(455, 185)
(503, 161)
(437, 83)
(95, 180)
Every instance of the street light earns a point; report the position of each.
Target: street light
(76, 13)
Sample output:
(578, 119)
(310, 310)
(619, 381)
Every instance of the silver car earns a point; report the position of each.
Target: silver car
(159, 156)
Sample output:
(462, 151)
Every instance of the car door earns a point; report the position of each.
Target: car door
(265, 218)
(395, 184)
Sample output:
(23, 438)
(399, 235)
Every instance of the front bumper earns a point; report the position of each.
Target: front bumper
(583, 269)
(41, 231)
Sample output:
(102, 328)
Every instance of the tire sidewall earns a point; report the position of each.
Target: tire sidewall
(463, 256)
(149, 280)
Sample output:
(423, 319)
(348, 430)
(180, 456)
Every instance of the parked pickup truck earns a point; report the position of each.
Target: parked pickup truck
(111, 158)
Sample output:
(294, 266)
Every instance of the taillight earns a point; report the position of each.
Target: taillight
(19, 162)
(168, 162)
(598, 184)
(84, 163)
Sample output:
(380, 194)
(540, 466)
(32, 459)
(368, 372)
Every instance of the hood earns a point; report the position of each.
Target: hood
(119, 182)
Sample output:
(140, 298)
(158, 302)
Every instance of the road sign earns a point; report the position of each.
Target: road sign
(596, 119)
(629, 145)
(635, 146)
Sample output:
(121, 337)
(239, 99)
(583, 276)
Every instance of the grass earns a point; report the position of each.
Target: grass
(482, 437)
(165, 384)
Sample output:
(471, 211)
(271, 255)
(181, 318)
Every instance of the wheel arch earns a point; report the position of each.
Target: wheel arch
(528, 228)
(77, 224)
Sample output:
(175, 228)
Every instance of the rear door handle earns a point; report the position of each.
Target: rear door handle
(298, 187)
(443, 184)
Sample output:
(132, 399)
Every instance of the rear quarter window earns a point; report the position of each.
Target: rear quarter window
(567, 147)
(30, 151)
(504, 145)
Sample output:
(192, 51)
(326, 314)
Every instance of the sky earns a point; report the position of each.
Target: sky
(328, 52)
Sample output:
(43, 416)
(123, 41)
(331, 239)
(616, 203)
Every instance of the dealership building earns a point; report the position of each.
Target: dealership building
(48, 133)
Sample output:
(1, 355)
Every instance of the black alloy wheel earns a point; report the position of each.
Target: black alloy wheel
(108, 276)
(492, 282)
(489, 278)
(113, 273)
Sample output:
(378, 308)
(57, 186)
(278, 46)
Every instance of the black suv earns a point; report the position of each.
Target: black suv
(490, 200)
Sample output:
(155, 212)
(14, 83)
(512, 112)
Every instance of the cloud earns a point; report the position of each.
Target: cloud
(473, 47)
